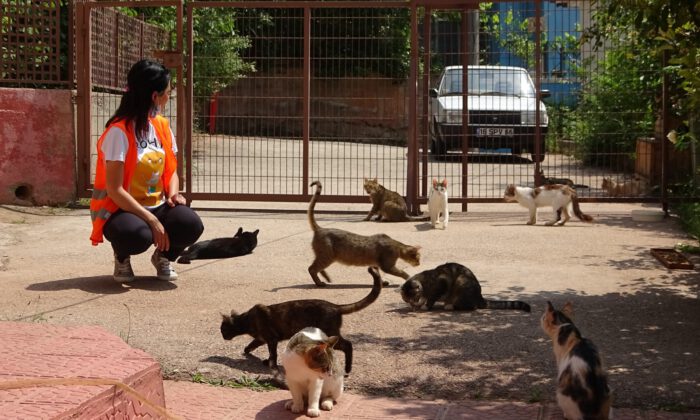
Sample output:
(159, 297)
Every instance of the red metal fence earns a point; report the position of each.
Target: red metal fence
(278, 94)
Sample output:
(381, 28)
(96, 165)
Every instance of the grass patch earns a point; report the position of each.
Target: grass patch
(535, 396)
(673, 408)
(254, 384)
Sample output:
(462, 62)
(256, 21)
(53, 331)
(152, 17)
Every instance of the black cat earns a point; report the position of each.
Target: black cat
(242, 243)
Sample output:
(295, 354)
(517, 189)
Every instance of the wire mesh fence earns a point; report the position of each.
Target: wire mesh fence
(285, 93)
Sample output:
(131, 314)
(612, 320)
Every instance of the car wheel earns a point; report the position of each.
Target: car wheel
(437, 148)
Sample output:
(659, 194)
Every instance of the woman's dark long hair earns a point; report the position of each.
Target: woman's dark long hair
(144, 78)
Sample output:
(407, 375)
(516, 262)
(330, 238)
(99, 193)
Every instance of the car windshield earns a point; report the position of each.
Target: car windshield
(489, 81)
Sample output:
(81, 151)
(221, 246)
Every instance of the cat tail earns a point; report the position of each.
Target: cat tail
(577, 210)
(367, 300)
(507, 304)
(312, 204)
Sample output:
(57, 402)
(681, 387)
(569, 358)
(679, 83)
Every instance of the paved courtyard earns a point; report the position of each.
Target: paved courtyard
(643, 317)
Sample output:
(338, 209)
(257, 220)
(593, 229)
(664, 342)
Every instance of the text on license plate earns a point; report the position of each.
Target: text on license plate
(494, 131)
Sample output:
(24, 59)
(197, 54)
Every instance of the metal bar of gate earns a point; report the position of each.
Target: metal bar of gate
(411, 169)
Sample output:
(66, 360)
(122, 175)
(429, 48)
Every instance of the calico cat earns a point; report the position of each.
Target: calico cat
(438, 203)
(388, 205)
(582, 385)
(454, 285)
(242, 243)
(331, 245)
(274, 323)
(312, 372)
(558, 196)
(632, 188)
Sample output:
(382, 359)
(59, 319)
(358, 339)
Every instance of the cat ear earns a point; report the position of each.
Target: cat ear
(568, 309)
(225, 317)
(240, 230)
(444, 181)
(434, 182)
(256, 232)
(548, 316)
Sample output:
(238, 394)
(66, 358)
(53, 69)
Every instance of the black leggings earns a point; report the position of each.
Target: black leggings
(131, 235)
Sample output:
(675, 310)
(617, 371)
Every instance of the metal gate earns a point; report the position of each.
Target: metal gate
(108, 41)
(283, 93)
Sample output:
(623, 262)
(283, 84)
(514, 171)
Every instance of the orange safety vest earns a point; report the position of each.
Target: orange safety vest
(101, 206)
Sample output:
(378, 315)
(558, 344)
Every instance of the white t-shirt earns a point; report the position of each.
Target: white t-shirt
(147, 181)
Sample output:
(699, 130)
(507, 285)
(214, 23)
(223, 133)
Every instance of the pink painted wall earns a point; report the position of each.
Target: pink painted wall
(37, 147)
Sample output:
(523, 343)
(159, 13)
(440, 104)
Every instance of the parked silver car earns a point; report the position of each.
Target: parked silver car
(501, 108)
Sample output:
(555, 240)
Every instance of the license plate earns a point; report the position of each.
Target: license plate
(494, 131)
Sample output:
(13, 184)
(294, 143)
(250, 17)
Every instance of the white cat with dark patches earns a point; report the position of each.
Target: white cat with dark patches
(438, 203)
(313, 373)
(556, 195)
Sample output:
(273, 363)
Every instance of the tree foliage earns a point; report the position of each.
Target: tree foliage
(652, 28)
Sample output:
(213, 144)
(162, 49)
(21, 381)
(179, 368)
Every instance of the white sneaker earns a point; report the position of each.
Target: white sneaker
(122, 270)
(165, 271)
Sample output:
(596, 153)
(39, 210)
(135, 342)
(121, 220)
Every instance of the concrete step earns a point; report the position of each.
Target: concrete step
(72, 360)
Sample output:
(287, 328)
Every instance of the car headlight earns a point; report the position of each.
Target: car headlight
(528, 118)
(453, 117)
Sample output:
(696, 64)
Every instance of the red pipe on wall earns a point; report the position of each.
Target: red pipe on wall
(213, 109)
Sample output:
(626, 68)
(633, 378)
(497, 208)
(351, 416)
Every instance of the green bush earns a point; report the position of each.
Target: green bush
(614, 110)
(689, 214)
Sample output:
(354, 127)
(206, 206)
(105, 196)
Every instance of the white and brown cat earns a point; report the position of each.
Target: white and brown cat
(582, 384)
(312, 372)
(556, 195)
(438, 203)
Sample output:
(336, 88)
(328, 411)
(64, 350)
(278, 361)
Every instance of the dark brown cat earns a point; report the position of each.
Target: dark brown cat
(274, 323)
(456, 286)
(331, 245)
(388, 205)
(544, 180)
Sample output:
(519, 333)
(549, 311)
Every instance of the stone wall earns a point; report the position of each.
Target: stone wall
(271, 105)
(37, 147)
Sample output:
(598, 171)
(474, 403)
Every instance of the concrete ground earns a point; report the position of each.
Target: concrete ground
(644, 318)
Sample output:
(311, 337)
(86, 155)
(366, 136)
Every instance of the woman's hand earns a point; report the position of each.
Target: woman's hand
(160, 236)
(176, 199)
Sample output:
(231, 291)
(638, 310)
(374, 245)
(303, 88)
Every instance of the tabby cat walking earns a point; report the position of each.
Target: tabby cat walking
(331, 245)
(582, 385)
(269, 324)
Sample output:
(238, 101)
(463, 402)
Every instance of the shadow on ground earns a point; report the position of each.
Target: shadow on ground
(102, 285)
